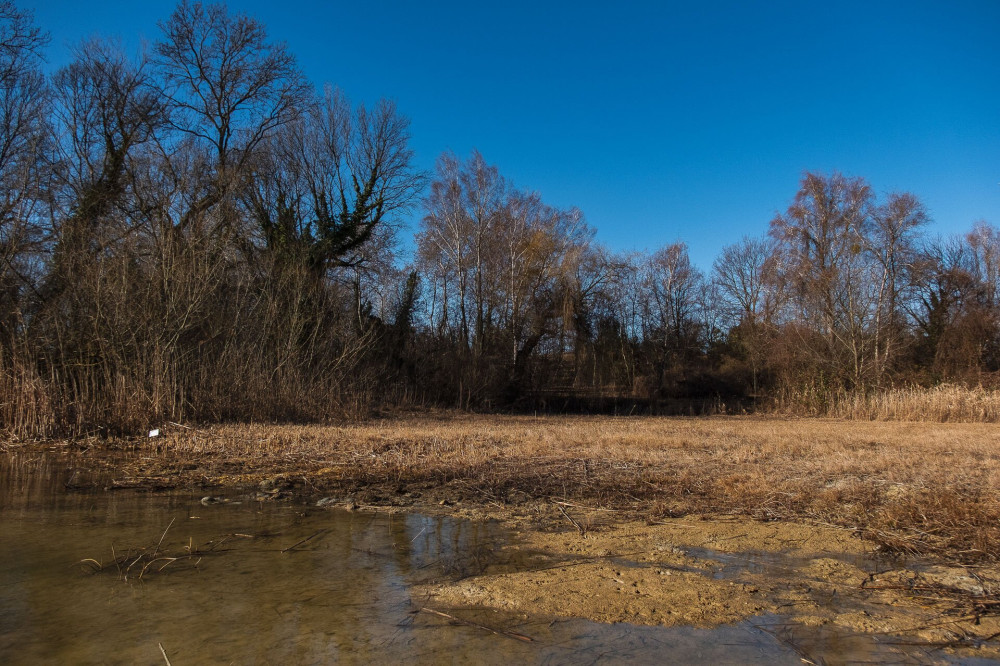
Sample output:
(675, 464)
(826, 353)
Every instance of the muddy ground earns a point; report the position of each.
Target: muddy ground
(710, 570)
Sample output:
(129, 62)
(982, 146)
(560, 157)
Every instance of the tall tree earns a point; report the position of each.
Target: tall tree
(332, 180)
(106, 109)
(501, 266)
(229, 90)
(751, 297)
(23, 132)
(843, 256)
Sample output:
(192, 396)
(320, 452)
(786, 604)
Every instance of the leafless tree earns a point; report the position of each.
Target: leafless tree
(21, 44)
(23, 146)
(333, 180)
(891, 242)
(501, 264)
(670, 289)
(106, 109)
(751, 297)
(229, 90)
(671, 282)
(844, 257)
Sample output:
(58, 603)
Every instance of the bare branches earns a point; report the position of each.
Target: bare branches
(844, 258)
(227, 84)
(106, 107)
(503, 267)
(332, 182)
(23, 146)
(21, 44)
(229, 90)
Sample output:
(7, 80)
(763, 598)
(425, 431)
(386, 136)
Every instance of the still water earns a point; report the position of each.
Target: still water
(269, 583)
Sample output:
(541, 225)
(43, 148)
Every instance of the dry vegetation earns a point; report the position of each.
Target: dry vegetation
(912, 487)
(944, 403)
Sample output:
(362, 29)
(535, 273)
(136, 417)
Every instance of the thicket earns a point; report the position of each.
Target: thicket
(197, 233)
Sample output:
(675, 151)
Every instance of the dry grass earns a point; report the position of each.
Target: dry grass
(946, 403)
(919, 487)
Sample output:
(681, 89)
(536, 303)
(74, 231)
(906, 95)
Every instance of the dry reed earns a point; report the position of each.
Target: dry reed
(944, 403)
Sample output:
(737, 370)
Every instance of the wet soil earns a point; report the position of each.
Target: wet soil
(708, 571)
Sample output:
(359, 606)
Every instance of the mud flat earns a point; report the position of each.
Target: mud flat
(706, 572)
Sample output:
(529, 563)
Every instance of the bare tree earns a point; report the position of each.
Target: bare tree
(670, 289)
(956, 321)
(106, 109)
(671, 282)
(21, 44)
(445, 242)
(745, 273)
(542, 250)
(340, 176)
(751, 297)
(23, 145)
(229, 89)
(501, 264)
(892, 243)
(983, 243)
(844, 256)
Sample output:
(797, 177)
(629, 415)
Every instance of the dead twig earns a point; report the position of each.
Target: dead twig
(579, 528)
(498, 632)
(308, 538)
(160, 542)
(583, 506)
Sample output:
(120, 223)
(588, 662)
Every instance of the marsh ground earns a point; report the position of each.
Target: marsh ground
(929, 488)
(645, 506)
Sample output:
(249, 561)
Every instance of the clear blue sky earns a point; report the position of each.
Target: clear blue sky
(662, 121)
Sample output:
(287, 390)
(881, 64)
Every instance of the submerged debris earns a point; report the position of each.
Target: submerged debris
(329, 502)
(954, 591)
(136, 562)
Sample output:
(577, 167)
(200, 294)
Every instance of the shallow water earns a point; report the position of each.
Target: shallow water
(283, 583)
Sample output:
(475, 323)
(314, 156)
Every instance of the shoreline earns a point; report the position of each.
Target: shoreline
(617, 521)
(909, 488)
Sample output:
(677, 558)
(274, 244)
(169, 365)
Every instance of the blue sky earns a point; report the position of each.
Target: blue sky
(661, 121)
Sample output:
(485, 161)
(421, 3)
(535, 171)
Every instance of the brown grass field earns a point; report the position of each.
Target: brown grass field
(916, 487)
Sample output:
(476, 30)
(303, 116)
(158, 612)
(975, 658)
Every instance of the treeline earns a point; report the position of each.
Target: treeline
(197, 233)
(843, 295)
